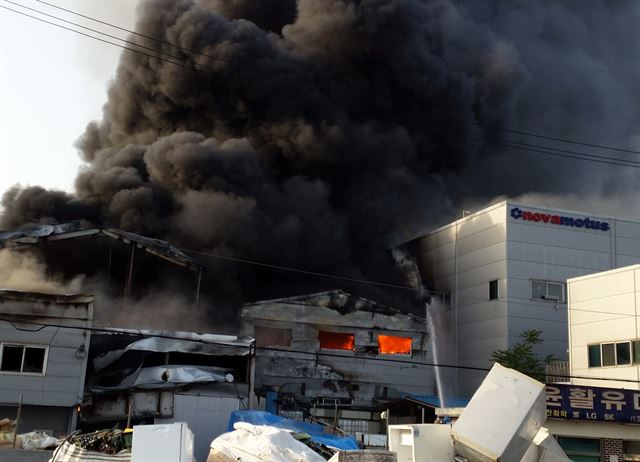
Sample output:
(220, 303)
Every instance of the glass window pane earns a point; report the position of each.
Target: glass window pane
(555, 290)
(608, 354)
(623, 352)
(11, 358)
(594, 356)
(587, 445)
(538, 289)
(33, 359)
(636, 352)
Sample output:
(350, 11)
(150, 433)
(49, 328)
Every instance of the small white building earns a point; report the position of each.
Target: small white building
(604, 327)
(506, 268)
(44, 342)
(596, 419)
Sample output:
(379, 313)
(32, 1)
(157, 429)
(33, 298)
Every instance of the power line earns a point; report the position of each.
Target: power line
(297, 270)
(188, 50)
(564, 140)
(566, 151)
(104, 33)
(543, 150)
(99, 39)
(283, 350)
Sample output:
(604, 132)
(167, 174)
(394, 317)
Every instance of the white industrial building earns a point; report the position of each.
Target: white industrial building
(506, 268)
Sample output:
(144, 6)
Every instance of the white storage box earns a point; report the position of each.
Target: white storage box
(502, 418)
(162, 443)
(421, 442)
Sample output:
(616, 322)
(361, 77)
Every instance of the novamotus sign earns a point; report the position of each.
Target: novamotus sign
(588, 223)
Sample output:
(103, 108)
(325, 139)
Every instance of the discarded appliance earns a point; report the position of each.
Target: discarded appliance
(162, 443)
(502, 422)
(421, 442)
(502, 418)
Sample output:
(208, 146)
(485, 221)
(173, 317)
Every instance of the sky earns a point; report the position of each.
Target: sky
(52, 83)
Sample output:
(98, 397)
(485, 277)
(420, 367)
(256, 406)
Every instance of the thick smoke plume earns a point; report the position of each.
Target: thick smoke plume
(24, 271)
(318, 133)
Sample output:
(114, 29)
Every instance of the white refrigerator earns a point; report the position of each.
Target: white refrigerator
(162, 443)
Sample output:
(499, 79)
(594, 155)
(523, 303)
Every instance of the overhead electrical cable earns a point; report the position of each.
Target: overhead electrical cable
(110, 330)
(547, 151)
(100, 39)
(115, 26)
(154, 50)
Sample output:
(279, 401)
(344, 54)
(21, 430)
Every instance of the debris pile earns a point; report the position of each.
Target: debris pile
(111, 445)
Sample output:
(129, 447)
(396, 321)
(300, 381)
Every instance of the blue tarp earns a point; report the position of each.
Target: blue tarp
(344, 443)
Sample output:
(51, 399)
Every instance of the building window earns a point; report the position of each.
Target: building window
(548, 290)
(391, 345)
(594, 356)
(631, 450)
(23, 359)
(610, 354)
(336, 340)
(623, 354)
(270, 336)
(636, 351)
(580, 449)
(493, 290)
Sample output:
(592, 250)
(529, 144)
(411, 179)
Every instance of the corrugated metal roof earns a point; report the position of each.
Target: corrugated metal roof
(45, 233)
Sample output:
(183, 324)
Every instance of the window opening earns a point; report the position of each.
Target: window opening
(271, 336)
(623, 354)
(336, 340)
(548, 290)
(608, 354)
(493, 290)
(23, 359)
(594, 356)
(392, 345)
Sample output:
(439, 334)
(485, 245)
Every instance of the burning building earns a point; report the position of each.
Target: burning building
(335, 356)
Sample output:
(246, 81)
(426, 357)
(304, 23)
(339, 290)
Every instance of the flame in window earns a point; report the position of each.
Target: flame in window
(391, 345)
(336, 340)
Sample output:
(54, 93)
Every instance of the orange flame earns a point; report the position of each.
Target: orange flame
(391, 345)
(336, 340)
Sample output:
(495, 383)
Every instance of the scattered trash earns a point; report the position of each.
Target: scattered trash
(36, 440)
(7, 431)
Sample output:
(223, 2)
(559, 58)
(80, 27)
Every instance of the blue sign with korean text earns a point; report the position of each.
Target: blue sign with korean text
(592, 403)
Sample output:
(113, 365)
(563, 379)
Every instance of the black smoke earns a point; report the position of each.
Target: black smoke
(318, 133)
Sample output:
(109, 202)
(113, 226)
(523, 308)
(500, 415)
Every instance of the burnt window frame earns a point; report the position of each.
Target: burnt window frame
(24, 347)
(408, 355)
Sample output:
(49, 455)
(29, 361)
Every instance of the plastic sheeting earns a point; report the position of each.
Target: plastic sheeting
(259, 443)
(201, 344)
(345, 443)
(170, 376)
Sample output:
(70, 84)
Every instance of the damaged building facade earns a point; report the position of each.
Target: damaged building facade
(44, 344)
(158, 377)
(334, 356)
